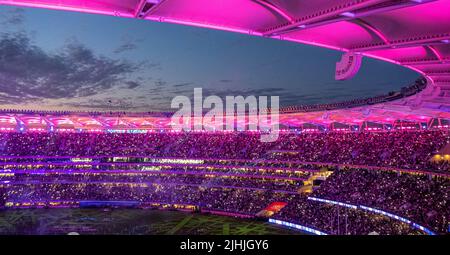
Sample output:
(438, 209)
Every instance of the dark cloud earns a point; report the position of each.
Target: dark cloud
(182, 84)
(126, 46)
(132, 84)
(160, 83)
(155, 90)
(14, 17)
(29, 73)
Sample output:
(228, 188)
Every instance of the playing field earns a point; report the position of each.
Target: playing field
(128, 222)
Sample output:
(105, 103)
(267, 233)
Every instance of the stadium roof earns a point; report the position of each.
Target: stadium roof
(411, 33)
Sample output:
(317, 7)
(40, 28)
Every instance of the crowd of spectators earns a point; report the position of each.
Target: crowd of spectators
(331, 219)
(409, 150)
(338, 220)
(236, 200)
(238, 174)
(196, 179)
(420, 198)
(232, 170)
(402, 149)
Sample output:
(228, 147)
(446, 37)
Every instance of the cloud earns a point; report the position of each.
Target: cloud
(14, 17)
(126, 46)
(160, 83)
(28, 73)
(182, 84)
(132, 84)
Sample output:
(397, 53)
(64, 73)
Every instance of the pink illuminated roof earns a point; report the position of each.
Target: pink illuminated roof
(60, 121)
(411, 33)
(138, 121)
(7, 120)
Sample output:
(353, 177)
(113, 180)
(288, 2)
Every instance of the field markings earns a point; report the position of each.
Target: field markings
(180, 225)
(226, 229)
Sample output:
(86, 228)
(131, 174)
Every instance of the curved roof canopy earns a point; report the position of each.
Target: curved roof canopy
(411, 33)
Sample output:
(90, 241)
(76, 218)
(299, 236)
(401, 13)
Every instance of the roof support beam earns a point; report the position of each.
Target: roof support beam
(426, 62)
(139, 7)
(276, 9)
(121, 120)
(442, 81)
(350, 13)
(146, 7)
(129, 124)
(19, 121)
(101, 122)
(76, 124)
(372, 29)
(434, 73)
(405, 44)
(435, 52)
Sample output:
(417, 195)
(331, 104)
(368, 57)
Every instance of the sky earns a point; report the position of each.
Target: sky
(55, 60)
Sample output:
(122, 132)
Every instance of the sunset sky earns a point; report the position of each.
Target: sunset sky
(63, 60)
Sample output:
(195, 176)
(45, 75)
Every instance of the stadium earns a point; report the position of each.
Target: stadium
(370, 166)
